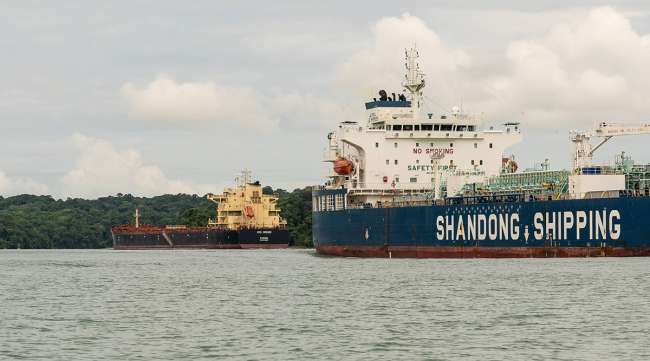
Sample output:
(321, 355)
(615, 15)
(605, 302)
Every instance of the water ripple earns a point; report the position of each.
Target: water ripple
(293, 305)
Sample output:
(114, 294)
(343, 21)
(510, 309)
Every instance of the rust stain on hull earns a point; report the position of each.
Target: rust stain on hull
(482, 252)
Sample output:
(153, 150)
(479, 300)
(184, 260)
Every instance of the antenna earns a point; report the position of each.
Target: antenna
(414, 78)
(246, 176)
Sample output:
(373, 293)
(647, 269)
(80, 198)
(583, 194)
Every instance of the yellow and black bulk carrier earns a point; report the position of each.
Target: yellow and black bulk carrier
(245, 218)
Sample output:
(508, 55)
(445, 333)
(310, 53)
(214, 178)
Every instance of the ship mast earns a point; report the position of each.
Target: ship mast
(414, 78)
(244, 178)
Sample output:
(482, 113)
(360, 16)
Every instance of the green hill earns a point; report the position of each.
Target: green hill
(28, 221)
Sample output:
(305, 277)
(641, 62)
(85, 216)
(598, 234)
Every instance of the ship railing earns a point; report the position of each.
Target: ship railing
(489, 199)
(458, 200)
(262, 226)
(645, 192)
(374, 189)
(391, 185)
(389, 192)
(387, 189)
(425, 198)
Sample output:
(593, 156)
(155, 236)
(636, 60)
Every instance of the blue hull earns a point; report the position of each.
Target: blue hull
(559, 228)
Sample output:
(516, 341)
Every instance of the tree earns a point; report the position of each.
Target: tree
(296, 209)
(29, 221)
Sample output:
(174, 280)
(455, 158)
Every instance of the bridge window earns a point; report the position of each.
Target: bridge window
(427, 126)
(461, 128)
(397, 127)
(470, 128)
(445, 127)
(388, 127)
(417, 127)
(436, 127)
(407, 127)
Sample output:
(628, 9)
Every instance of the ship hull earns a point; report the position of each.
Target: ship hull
(616, 227)
(130, 238)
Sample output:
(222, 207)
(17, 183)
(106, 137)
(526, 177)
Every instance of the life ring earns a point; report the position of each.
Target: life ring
(248, 210)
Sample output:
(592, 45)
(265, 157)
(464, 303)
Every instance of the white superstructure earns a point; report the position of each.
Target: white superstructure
(399, 149)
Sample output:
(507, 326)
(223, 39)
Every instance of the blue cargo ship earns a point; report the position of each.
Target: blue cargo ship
(408, 183)
(495, 226)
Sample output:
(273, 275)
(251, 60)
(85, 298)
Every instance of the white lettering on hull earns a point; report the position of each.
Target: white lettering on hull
(562, 225)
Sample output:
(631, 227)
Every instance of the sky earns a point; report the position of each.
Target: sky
(156, 97)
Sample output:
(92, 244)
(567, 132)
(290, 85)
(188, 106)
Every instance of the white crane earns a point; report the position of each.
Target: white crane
(584, 150)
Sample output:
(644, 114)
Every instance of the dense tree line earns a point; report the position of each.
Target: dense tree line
(296, 209)
(28, 221)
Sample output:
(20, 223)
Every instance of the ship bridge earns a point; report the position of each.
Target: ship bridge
(402, 148)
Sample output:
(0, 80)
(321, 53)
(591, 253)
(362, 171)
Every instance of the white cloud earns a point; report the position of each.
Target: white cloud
(18, 185)
(381, 65)
(165, 99)
(590, 69)
(189, 103)
(102, 170)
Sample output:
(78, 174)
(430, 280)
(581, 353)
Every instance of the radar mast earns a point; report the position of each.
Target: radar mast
(414, 78)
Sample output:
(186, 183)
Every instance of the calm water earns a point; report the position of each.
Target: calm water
(293, 305)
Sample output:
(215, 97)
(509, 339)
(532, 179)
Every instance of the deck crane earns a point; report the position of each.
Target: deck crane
(584, 150)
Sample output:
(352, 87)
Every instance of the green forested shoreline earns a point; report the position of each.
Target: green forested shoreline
(29, 221)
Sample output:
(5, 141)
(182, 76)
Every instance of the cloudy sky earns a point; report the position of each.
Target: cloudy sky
(153, 97)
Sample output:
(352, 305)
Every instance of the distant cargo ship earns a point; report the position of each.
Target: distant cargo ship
(406, 183)
(245, 218)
